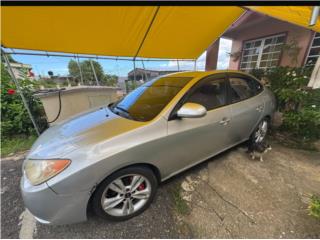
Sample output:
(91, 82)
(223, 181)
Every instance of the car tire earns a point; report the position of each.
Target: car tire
(260, 132)
(105, 194)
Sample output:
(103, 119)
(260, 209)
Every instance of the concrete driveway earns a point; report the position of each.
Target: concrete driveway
(233, 196)
(228, 196)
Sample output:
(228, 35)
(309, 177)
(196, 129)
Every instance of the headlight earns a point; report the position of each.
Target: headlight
(39, 171)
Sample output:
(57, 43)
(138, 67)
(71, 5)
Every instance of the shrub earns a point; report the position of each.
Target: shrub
(300, 105)
(14, 117)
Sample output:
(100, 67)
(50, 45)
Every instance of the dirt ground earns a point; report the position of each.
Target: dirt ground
(232, 196)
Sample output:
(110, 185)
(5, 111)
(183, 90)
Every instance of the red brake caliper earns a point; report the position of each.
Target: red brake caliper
(141, 187)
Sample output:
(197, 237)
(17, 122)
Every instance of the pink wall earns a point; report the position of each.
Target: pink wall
(271, 27)
(212, 56)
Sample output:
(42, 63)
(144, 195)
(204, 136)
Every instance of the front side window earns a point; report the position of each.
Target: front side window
(243, 87)
(211, 94)
(148, 100)
(262, 53)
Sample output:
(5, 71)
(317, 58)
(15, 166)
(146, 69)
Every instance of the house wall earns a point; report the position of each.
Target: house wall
(212, 56)
(271, 27)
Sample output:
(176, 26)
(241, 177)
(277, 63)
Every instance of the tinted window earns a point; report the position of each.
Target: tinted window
(243, 87)
(211, 94)
(147, 101)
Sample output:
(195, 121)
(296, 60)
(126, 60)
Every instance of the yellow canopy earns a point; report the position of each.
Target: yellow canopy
(143, 31)
(299, 15)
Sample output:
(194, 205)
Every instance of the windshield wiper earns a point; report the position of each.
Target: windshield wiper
(122, 109)
(126, 112)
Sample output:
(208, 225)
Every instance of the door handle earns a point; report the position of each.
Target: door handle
(224, 121)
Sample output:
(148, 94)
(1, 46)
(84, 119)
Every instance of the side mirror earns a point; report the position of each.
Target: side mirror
(192, 110)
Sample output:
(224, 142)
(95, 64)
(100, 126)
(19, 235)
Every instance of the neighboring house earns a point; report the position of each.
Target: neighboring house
(22, 71)
(145, 74)
(259, 41)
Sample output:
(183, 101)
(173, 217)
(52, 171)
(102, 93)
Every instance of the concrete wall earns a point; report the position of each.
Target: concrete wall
(76, 100)
(272, 27)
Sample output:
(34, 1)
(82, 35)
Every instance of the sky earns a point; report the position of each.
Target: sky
(59, 65)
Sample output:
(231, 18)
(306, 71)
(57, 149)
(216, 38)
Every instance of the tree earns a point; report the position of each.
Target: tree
(88, 75)
(50, 73)
(74, 70)
(110, 80)
(11, 60)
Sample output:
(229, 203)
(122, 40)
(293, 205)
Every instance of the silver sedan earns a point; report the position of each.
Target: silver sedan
(113, 158)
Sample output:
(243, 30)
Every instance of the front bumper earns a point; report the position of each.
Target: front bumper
(49, 207)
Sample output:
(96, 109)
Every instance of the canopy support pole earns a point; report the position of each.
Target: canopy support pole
(20, 92)
(195, 64)
(134, 73)
(314, 15)
(178, 65)
(81, 77)
(145, 73)
(94, 73)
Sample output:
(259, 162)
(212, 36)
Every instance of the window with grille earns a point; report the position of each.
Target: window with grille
(314, 52)
(262, 53)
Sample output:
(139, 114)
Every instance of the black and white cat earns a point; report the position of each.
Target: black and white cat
(257, 150)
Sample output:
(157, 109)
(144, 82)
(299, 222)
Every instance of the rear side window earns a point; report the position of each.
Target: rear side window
(243, 87)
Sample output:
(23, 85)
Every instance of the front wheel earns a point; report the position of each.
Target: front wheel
(260, 132)
(125, 194)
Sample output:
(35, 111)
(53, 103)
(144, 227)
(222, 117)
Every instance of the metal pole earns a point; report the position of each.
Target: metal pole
(21, 93)
(145, 73)
(314, 15)
(94, 73)
(178, 65)
(95, 57)
(195, 64)
(134, 73)
(81, 77)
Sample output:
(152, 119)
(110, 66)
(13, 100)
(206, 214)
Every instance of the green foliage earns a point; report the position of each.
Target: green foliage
(14, 117)
(88, 74)
(16, 144)
(300, 105)
(314, 206)
(305, 123)
(180, 204)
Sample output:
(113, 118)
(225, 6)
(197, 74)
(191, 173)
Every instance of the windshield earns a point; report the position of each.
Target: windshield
(147, 101)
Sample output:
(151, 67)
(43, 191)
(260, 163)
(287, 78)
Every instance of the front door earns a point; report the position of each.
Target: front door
(192, 140)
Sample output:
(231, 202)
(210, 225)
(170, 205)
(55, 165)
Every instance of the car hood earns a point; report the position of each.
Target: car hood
(82, 130)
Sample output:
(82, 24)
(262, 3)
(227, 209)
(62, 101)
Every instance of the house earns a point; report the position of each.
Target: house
(260, 41)
(21, 70)
(145, 74)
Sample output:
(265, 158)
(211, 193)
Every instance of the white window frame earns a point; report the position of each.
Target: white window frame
(310, 48)
(261, 47)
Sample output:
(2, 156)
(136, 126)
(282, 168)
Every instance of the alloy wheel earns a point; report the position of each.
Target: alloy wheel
(261, 131)
(126, 195)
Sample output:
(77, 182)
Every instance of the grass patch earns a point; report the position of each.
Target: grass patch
(16, 144)
(179, 203)
(314, 207)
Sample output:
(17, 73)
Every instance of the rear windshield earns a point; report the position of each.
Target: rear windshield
(148, 100)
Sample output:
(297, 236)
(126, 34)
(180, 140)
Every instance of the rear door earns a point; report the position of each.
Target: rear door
(191, 140)
(247, 105)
